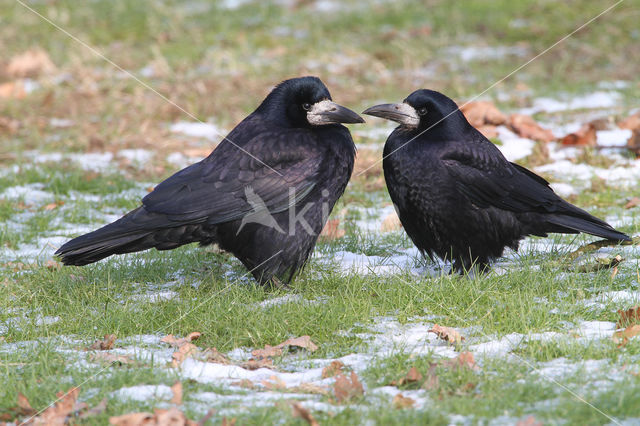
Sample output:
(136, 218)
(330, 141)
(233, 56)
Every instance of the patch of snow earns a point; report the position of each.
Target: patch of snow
(60, 122)
(564, 189)
(144, 393)
(154, 297)
(31, 193)
(361, 264)
(137, 156)
(593, 100)
(485, 53)
(276, 301)
(207, 131)
(514, 147)
(616, 137)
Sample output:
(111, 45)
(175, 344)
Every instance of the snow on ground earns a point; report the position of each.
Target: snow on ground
(599, 100)
(207, 131)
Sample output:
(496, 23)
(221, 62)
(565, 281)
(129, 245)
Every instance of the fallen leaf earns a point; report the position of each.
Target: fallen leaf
(621, 338)
(32, 63)
(244, 383)
(464, 359)
(274, 383)
(303, 413)
(526, 127)
(267, 352)
(412, 376)
(160, 417)
(254, 364)
(488, 131)
(400, 401)
(177, 393)
(332, 230)
(630, 316)
(133, 419)
(213, 355)
(52, 265)
(529, 421)
(58, 412)
(185, 351)
(12, 90)
(24, 406)
(346, 389)
(585, 136)
(228, 422)
(105, 344)
(447, 333)
(631, 123)
(173, 341)
(336, 367)
(391, 223)
(310, 388)
(634, 202)
(633, 143)
(300, 342)
(479, 113)
(111, 358)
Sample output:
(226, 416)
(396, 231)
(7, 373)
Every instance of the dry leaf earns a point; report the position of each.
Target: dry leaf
(447, 333)
(336, 367)
(346, 389)
(276, 383)
(479, 113)
(303, 413)
(254, 364)
(58, 412)
(12, 90)
(52, 265)
(391, 223)
(400, 401)
(228, 422)
(622, 337)
(412, 376)
(267, 352)
(301, 342)
(527, 127)
(488, 131)
(634, 142)
(310, 388)
(160, 417)
(213, 355)
(529, 421)
(105, 344)
(634, 202)
(177, 393)
(585, 136)
(631, 123)
(133, 419)
(110, 358)
(630, 316)
(332, 230)
(185, 351)
(173, 341)
(24, 406)
(31, 63)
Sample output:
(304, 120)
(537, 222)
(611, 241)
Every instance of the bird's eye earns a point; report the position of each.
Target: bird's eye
(422, 111)
(306, 106)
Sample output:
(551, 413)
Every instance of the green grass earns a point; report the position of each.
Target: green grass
(217, 64)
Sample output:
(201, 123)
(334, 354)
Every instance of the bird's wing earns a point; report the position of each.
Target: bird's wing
(486, 178)
(226, 185)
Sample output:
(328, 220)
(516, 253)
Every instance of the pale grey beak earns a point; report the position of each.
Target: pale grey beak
(327, 112)
(402, 113)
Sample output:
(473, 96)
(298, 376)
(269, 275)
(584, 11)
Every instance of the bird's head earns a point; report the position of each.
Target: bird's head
(305, 102)
(423, 109)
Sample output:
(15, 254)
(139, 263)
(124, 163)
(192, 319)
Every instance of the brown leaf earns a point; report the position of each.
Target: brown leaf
(336, 367)
(185, 351)
(346, 389)
(254, 364)
(400, 401)
(303, 413)
(634, 142)
(391, 223)
(412, 376)
(228, 422)
(244, 383)
(332, 230)
(52, 206)
(31, 63)
(631, 123)
(276, 383)
(479, 113)
(310, 388)
(301, 342)
(9, 125)
(630, 316)
(58, 412)
(12, 90)
(447, 333)
(529, 421)
(24, 406)
(634, 202)
(267, 352)
(488, 131)
(111, 358)
(160, 417)
(526, 127)
(213, 355)
(177, 393)
(622, 337)
(175, 342)
(52, 265)
(585, 136)
(105, 344)
(466, 359)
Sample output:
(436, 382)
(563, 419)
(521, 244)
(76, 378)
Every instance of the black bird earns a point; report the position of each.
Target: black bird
(263, 194)
(457, 196)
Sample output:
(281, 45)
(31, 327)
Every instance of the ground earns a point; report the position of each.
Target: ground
(147, 88)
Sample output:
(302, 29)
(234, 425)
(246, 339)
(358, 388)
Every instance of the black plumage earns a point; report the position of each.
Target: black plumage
(289, 158)
(457, 196)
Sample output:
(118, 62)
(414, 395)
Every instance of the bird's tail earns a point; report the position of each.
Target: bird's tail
(585, 223)
(136, 231)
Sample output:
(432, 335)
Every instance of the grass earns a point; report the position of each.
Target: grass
(217, 63)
